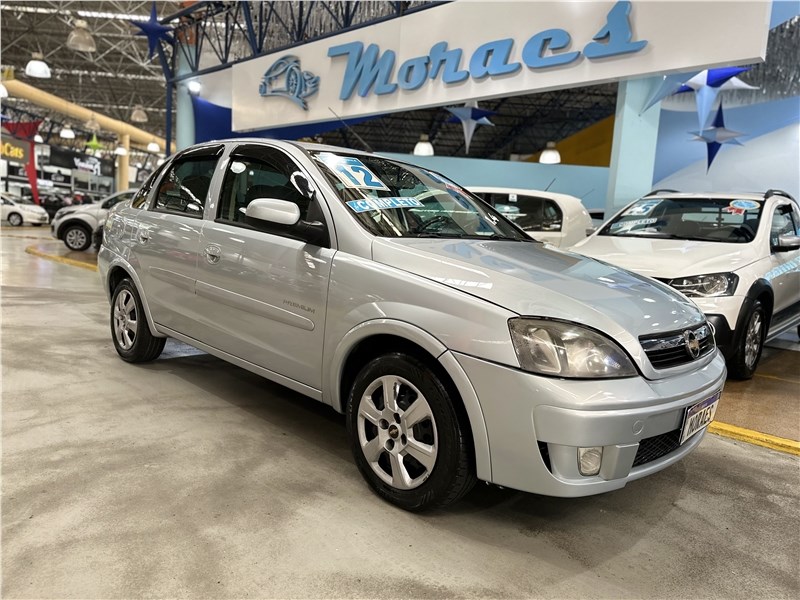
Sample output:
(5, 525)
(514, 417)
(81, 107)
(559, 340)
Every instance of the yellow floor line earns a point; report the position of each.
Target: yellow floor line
(755, 437)
(61, 259)
(27, 237)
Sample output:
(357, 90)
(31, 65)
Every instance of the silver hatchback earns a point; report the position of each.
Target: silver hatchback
(458, 347)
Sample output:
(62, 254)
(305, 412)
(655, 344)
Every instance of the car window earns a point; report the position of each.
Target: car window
(117, 199)
(532, 213)
(730, 220)
(393, 199)
(141, 195)
(782, 223)
(184, 187)
(256, 172)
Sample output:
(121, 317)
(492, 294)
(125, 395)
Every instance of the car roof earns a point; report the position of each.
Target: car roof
(703, 195)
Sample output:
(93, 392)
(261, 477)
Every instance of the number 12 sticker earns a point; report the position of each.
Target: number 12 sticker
(353, 173)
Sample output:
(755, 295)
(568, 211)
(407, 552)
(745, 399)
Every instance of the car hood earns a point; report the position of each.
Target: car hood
(92, 209)
(668, 259)
(539, 280)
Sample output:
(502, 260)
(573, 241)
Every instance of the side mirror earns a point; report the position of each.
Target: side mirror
(787, 242)
(283, 218)
(273, 210)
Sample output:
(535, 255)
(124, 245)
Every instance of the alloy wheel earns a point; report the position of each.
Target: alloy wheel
(125, 321)
(75, 238)
(752, 344)
(397, 432)
(15, 220)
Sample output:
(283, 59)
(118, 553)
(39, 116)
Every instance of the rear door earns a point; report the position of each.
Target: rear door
(784, 273)
(166, 238)
(262, 295)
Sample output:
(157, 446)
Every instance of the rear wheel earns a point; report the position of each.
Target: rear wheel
(77, 237)
(406, 436)
(744, 362)
(129, 329)
(15, 219)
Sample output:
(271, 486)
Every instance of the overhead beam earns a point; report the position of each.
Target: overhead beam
(18, 89)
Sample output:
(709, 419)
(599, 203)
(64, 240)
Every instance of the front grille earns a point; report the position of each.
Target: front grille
(671, 349)
(545, 452)
(655, 447)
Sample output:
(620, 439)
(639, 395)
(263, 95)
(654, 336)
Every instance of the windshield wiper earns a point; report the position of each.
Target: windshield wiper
(467, 236)
(662, 236)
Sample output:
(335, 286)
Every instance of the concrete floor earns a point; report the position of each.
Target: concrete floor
(189, 477)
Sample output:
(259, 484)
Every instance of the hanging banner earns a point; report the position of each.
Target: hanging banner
(466, 50)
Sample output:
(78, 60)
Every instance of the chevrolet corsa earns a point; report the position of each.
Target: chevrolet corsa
(458, 347)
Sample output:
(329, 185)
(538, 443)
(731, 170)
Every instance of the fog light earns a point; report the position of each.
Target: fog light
(589, 460)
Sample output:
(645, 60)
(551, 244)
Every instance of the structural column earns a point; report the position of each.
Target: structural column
(184, 112)
(633, 152)
(123, 162)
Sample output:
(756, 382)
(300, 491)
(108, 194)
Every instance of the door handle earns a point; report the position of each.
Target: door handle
(144, 236)
(213, 254)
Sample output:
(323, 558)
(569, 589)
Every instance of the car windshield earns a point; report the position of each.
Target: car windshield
(393, 199)
(24, 201)
(729, 220)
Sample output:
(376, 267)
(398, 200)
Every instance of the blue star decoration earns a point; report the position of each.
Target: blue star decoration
(717, 135)
(154, 31)
(470, 116)
(708, 84)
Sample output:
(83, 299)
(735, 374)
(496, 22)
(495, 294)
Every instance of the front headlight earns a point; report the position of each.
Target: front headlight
(564, 349)
(706, 286)
(62, 212)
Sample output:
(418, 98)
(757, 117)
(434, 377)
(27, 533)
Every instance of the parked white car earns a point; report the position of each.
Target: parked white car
(76, 225)
(736, 255)
(558, 219)
(22, 211)
(458, 347)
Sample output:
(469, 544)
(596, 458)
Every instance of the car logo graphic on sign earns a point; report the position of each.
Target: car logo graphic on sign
(692, 344)
(285, 78)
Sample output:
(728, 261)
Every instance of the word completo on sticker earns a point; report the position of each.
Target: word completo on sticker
(368, 204)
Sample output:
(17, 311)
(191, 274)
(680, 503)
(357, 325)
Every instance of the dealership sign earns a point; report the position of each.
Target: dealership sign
(15, 151)
(468, 50)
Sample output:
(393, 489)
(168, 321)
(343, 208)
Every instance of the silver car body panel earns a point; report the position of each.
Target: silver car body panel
(293, 313)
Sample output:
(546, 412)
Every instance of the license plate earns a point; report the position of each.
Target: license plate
(699, 416)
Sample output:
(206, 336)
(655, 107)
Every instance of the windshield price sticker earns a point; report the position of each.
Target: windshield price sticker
(739, 207)
(634, 223)
(352, 172)
(642, 208)
(365, 205)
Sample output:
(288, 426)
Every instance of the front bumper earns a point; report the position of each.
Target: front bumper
(536, 424)
(37, 218)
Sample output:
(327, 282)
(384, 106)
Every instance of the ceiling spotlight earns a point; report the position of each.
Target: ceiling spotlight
(121, 150)
(194, 87)
(138, 115)
(423, 147)
(3, 91)
(36, 67)
(153, 147)
(38, 139)
(550, 156)
(79, 39)
(161, 161)
(66, 133)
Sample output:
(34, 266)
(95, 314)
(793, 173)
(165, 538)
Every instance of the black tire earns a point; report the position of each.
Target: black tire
(136, 344)
(77, 237)
(15, 219)
(745, 359)
(451, 474)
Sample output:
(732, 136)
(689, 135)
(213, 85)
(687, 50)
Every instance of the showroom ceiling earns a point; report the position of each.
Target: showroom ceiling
(119, 75)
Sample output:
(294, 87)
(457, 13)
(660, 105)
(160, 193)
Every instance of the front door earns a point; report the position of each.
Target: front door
(262, 296)
(784, 273)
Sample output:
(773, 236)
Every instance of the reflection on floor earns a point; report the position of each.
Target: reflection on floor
(768, 403)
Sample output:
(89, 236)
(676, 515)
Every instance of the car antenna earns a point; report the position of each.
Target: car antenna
(350, 129)
(587, 193)
(547, 189)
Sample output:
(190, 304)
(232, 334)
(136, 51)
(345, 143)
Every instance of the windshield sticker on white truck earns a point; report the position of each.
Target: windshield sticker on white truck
(625, 225)
(739, 207)
(643, 208)
(352, 172)
(368, 204)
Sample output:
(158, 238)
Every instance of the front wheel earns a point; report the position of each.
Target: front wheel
(406, 436)
(744, 362)
(129, 329)
(77, 238)
(15, 219)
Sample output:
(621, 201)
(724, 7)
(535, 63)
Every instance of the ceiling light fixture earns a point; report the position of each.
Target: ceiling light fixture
(79, 39)
(550, 156)
(153, 147)
(36, 67)
(66, 133)
(138, 115)
(121, 151)
(3, 91)
(38, 139)
(194, 87)
(424, 146)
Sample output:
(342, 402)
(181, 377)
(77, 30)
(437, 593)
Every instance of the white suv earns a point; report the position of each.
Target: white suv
(736, 255)
(76, 225)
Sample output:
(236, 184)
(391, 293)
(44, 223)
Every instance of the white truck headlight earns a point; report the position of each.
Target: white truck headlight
(564, 349)
(706, 286)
